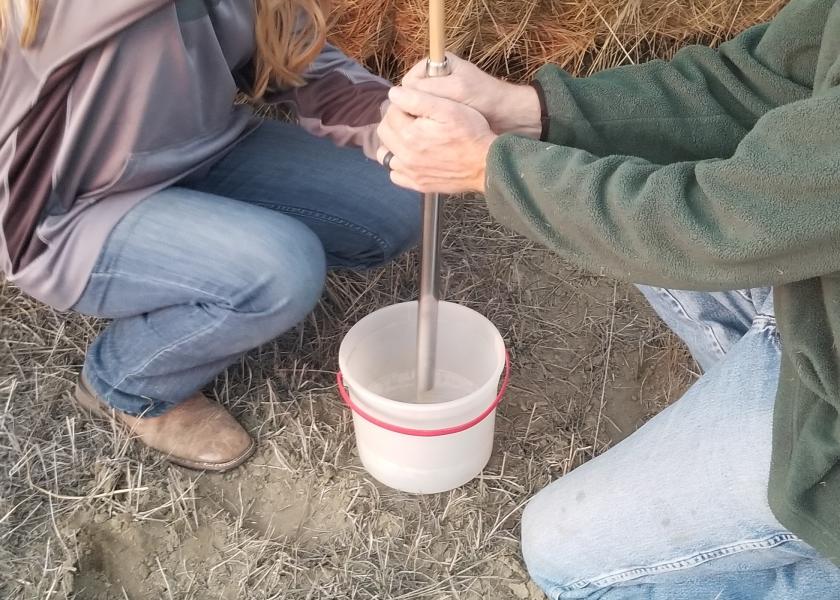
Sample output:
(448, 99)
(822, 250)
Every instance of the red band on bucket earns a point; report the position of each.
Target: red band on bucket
(425, 432)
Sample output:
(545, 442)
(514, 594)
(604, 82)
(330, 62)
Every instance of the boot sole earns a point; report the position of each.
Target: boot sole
(92, 404)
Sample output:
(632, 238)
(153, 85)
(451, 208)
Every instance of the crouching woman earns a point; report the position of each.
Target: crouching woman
(134, 188)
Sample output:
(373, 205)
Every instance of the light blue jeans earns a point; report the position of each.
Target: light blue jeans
(678, 511)
(202, 272)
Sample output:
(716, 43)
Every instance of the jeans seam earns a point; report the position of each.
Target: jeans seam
(163, 351)
(107, 396)
(214, 325)
(766, 323)
(744, 295)
(681, 310)
(132, 219)
(154, 280)
(328, 218)
(676, 565)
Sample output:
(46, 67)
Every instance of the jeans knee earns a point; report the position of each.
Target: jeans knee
(284, 279)
(395, 229)
(554, 539)
(537, 546)
(406, 224)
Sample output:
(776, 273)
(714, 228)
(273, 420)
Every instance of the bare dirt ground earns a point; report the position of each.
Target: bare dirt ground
(86, 514)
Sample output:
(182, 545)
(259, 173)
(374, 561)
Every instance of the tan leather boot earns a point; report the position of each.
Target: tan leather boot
(197, 433)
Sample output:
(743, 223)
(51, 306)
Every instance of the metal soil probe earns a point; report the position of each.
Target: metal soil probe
(427, 318)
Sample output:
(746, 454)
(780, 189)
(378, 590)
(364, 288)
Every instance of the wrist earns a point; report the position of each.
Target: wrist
(483, 154)
(519, 111)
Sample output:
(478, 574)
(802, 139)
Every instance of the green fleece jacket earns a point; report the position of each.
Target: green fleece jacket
(717, 170)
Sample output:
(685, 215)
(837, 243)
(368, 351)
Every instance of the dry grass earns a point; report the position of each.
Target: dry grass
(513, 38)
(84, 513)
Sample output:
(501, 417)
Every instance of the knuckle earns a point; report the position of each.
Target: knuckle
(449, 112)
(410, 160)
(419, 143)
(411, 135)
(384, 130)
(458, 87)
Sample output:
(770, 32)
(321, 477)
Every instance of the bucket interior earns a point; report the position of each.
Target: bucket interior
(379, 354)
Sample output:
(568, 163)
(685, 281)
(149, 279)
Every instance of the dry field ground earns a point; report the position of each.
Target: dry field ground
(87, 514)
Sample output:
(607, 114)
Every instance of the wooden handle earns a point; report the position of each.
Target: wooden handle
(437, 31)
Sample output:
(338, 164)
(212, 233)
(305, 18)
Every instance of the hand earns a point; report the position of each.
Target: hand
(438, 145)
(507, 107)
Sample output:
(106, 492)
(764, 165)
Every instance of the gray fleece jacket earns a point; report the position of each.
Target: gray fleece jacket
(117, 100)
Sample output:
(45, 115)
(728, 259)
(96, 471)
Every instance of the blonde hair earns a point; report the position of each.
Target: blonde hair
(31, 11)
(289, 34)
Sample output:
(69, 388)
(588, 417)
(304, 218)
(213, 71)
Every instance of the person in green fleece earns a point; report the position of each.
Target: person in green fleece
(714, 180)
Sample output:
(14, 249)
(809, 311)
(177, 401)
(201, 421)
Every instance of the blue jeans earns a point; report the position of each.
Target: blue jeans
(679, 511)
(200, 273)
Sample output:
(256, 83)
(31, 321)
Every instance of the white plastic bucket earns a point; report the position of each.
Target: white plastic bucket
(447, 440)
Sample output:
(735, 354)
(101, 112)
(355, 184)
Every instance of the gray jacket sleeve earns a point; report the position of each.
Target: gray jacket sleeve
(341, 100)
(71, 27)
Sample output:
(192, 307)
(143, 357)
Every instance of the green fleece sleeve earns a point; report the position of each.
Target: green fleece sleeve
(698, 105)
(768, 215)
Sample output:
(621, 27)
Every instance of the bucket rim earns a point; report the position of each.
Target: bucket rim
(354, 408)
(503, 355)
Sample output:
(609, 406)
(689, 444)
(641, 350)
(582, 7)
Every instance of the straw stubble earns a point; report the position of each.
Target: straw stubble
(513, 38)
(85, 512)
